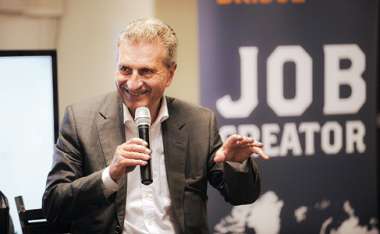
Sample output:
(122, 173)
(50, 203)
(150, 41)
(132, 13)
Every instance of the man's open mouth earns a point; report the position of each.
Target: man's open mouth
(135, 94)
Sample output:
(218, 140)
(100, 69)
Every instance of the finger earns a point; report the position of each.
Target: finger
(233, 139)
(242, 156)
(246, 141)
(128, 162)
(137, 141)
(134, 155)
(218, 159)
(135, 148)
(260, 152)
(251, 142)
(219, 156)
(257, 144)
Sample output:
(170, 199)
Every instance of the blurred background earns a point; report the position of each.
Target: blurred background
(85, 32)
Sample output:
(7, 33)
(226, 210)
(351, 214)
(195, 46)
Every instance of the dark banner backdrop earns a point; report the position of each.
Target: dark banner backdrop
(300, 76)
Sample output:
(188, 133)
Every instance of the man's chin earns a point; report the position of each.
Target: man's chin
(133, 105)
(134, 101)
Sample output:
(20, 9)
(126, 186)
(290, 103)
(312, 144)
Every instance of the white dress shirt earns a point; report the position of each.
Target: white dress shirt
(148, 207)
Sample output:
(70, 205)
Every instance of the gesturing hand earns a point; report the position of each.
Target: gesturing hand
(238, 148)
(132, 153)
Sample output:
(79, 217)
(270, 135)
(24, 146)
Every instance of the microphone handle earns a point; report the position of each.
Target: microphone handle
(146, 171)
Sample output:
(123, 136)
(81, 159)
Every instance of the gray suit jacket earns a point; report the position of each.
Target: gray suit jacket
(88, 137)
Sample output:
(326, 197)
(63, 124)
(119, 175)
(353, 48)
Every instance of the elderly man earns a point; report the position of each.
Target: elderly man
(94, 184)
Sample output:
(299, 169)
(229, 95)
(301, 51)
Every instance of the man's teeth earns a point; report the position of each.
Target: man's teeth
(133, 93)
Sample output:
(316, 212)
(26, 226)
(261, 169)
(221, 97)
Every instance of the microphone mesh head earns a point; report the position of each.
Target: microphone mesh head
(142, 116)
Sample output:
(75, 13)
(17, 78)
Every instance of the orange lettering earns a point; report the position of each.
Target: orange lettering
(298, 1)
(223, 2)
(265, 1)
(242, 1)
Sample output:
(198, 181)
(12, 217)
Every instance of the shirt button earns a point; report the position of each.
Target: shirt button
(117, 229)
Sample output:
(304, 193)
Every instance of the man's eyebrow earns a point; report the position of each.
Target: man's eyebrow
(123, 66)
(146, 68)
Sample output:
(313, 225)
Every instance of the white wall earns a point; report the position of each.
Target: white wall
(84, 33)
(86, 45)
(29, 24)
(182, 16)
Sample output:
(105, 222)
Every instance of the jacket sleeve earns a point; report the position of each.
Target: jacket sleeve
(239, 183)
(70, 194)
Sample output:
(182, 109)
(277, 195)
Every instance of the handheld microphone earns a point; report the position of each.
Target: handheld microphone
(142, 120)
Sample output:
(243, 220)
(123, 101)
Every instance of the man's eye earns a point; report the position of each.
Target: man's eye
(125, 70)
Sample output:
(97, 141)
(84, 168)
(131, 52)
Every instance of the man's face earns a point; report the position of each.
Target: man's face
(142, 76)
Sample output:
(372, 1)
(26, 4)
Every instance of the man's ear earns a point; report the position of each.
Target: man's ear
(172, 70)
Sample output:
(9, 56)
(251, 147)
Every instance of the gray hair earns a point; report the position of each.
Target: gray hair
(151, 30)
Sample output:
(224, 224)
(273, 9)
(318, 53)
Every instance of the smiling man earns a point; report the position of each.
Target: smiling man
(94, 185)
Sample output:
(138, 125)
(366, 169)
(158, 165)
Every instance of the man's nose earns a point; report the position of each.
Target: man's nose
(134, 82)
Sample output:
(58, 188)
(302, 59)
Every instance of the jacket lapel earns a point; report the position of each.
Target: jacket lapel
(175, 140)
(111, 134)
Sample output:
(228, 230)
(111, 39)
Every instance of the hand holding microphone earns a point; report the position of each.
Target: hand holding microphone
(134, 152)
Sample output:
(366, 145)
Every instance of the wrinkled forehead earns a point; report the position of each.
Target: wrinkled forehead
(141, 52)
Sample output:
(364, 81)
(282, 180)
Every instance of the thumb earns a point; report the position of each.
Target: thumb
(219, 155)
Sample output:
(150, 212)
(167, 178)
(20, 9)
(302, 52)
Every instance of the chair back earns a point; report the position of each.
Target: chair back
(5, 221)
(33, 221)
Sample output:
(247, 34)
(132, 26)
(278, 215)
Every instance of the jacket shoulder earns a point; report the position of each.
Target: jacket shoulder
(95, 104)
